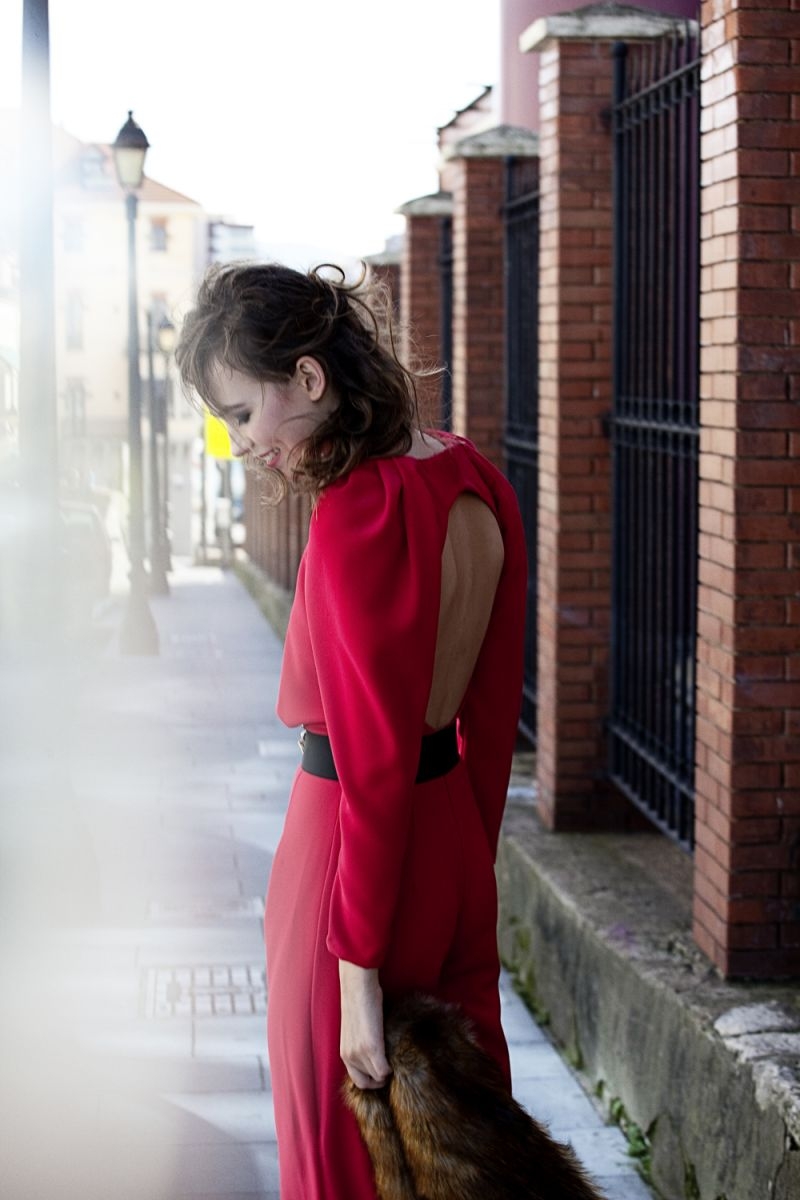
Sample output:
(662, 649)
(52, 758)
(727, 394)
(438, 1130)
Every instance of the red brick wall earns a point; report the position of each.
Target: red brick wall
(574, 456)
(389, 275)
(478, 304)
(747, 904)
(420, 307)
(275, 536)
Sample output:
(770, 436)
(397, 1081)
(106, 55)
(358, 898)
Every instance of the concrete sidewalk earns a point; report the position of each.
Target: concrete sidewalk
(156, 1081)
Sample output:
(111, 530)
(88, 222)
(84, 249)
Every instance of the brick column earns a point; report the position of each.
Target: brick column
(574, 454)
(747, 884)
(475, 170)
(420, 296)
(276, 535)
(385, 266)
(575, 394)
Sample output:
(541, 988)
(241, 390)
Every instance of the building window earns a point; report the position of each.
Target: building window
(74, 321)
(158, 235)
(94, 170)
(73, 235)
(75, 405)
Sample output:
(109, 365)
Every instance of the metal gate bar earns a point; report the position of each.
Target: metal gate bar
(446, 320)
(521, 218)
(655, 429)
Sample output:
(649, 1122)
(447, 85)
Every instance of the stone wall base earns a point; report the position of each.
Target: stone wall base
(274, 601)
(596, 929)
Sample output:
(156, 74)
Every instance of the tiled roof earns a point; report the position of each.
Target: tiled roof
(71, 173)
(71, 157)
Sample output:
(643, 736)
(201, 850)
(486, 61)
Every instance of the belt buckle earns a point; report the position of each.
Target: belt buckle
(301, 741)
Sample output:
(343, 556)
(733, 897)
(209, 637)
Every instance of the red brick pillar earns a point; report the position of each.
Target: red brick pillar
(575, 394)
(299, 515)
(476, 172)
(574, 453)
(747, 883)
(254, 523)
(421, 298)
(275, 535)
(385, 267)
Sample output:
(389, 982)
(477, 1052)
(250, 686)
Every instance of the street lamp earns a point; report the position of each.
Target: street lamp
(138, 634)
(167, 336)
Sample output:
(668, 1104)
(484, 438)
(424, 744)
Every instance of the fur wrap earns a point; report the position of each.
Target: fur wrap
(445, 1127)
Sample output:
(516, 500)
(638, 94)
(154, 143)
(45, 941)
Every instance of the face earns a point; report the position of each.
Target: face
(268, 421)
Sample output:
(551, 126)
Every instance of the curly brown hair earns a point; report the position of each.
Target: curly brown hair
(260, 318)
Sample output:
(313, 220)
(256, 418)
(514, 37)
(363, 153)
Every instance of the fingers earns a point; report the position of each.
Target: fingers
(364, 1081)
(367, 1069)
(366, 1075)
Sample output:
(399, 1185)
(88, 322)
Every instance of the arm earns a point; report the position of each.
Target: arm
(489, 717)
(361, 1044)
(373, 632)
(373, 562)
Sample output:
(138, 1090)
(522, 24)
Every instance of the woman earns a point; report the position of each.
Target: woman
(403, 663)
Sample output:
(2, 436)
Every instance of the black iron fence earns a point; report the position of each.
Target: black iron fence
(655, 429)
(446, 320)
(521, 219)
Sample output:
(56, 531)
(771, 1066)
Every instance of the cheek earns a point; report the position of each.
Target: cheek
(275, 420)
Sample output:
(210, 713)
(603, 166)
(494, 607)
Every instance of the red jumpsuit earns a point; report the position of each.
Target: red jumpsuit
(374, 868)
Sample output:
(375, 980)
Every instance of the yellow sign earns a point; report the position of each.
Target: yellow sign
(218, 441)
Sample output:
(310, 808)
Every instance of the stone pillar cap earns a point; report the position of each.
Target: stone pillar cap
(602, 22)
(502, 141)
(437, 204)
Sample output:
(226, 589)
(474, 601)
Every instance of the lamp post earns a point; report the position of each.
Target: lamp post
(166, 344)
(158, 566)
(31, 602)
(138, 634)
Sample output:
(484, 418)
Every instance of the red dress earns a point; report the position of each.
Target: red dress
(374, 868)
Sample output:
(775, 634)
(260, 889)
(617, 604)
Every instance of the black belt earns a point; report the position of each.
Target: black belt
(438, 754)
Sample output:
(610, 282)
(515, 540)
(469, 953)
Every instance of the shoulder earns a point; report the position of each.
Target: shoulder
(363, 500)
(476, 465)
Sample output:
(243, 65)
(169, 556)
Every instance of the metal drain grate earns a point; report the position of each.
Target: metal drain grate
(218, 990)
(249, 906)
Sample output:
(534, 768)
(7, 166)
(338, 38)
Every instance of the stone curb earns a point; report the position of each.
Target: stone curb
(596, 929)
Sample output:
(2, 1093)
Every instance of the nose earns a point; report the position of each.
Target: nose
(239, 446)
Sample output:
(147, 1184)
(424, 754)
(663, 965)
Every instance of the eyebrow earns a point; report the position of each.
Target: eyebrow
(223, 411)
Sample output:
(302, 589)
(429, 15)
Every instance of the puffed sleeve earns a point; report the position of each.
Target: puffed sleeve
(372, 584)
(490, 713)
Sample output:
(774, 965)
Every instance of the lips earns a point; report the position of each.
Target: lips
(269, 458)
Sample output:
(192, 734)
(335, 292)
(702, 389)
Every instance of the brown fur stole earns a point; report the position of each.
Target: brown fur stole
(445, 1127)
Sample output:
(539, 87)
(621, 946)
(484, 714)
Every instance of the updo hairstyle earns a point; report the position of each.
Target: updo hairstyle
(260, 318)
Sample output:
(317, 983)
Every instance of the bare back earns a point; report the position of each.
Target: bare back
(472, 560)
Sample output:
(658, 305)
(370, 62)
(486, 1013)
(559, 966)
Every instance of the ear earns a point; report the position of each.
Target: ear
(310, 376)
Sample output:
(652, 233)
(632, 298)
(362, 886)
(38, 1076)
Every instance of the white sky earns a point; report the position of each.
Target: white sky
(312, 119)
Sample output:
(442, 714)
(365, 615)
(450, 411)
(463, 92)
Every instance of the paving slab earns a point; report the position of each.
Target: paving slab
(179, 774)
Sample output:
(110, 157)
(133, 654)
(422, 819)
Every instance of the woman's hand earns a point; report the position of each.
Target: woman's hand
(361, 1045)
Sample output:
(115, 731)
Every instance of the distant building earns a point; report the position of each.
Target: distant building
(91, 274)
(228, 242)
(175, 242)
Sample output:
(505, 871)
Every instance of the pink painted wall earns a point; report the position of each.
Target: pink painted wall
(519, 73)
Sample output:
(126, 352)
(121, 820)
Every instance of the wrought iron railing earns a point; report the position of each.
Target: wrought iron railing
(655, 429)
(521, 218)
(446, 320)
